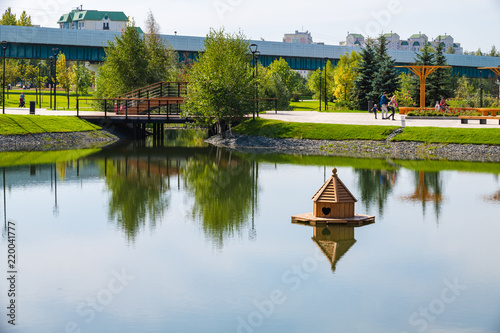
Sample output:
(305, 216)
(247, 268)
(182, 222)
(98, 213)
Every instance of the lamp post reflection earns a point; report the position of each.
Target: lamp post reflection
(4, 48)
(253, 49)
(4, 204)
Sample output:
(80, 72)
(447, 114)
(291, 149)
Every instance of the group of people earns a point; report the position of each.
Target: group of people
(441, 105)
(386, 105)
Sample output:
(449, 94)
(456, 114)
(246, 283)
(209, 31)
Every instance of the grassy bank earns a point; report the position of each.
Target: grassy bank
(31, 124)
(280, 129)
(489, 136)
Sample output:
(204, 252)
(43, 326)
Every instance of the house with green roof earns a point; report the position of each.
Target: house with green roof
(355, 40)
(93, 20)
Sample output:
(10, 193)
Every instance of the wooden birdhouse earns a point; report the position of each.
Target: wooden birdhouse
(333, 199)
(333, 203)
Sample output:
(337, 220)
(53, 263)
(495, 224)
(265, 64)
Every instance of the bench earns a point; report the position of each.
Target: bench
(486, 112)
(482, 119)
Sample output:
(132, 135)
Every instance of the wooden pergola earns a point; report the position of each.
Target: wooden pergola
(496, 70)
(422, 72)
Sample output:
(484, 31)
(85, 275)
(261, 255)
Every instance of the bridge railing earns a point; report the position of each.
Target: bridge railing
(159, 89)
(163, 106)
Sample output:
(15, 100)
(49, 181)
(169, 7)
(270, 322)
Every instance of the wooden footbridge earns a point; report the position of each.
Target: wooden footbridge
(157, 104)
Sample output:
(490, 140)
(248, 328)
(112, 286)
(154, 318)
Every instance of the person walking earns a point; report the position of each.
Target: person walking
(393, 104)
(374, 110)
(383, 105)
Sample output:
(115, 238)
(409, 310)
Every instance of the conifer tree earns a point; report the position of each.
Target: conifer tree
(386, 78)
(363, 82)
(440, 83)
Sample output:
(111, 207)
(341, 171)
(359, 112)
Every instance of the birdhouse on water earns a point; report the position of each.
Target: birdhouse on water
(334, 203)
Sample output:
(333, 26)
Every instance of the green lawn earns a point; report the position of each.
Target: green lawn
(313, 105)
(280, 129)
(12, 99)
(30, 124)
(450, 135)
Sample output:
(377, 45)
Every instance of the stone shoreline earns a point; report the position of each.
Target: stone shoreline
(56, 141)
(360, 148)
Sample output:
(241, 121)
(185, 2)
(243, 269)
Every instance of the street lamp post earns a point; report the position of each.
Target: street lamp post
(481, 88)
(55, 51)
(4, 47)
(51, 58)
(320, 90)
(257, 53)
(326, 96)
(253, 49)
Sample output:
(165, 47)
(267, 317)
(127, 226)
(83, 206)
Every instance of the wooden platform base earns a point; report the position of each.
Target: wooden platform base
(357, 220)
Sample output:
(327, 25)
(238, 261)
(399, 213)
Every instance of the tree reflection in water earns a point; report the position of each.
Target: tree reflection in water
(138, 192)
(428, 188)
(375, 187)
(224, 189)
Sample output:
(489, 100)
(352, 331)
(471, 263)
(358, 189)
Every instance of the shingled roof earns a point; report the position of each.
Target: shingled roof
(333, 190)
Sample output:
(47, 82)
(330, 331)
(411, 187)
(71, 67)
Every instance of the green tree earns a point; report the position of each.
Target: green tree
(278, 81)
(450, 50)
(403, 94)
(133, 62)
(81, 80)
(221, 85)
(24, 20)
(493, 52)
(344, 75)
(283, 70)
(317, 81)
(440, 82)
(464, 89)
(64, 74)
(386, 78)
(8, 18)
(362, 89)
(125, 67)
(163, 61)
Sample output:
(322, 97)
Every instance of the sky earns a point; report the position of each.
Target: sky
(474, 24)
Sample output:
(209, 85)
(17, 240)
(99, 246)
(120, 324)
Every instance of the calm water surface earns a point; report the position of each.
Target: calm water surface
(197, 239)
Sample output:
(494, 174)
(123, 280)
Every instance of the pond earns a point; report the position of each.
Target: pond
(190, 238)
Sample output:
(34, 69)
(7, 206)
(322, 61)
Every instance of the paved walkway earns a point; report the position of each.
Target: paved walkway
(350, 118)
(368, 119)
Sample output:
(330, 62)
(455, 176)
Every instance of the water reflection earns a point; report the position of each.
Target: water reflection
(333, 240)
(138, 191)
(375, 187)
(428, 188)
(224, 188)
